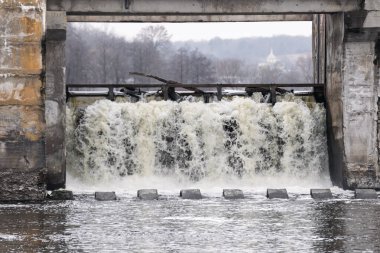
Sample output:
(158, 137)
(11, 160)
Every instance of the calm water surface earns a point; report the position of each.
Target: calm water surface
(171, 224)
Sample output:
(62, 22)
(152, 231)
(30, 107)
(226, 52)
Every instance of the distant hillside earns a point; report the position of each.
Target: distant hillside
(251, 50)
(95, 56)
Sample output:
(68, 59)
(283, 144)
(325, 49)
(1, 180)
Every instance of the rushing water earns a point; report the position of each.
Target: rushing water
(213, 224)
(230, 142)
(241, 143)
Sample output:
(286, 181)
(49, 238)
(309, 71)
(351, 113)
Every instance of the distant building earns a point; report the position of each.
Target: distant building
(272, 62)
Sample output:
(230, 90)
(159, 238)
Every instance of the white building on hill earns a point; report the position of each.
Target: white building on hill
(272, 61)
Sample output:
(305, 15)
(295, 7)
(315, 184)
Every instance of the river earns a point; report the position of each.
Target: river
(213, 224)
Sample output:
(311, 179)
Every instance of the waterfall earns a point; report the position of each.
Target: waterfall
(193, 141)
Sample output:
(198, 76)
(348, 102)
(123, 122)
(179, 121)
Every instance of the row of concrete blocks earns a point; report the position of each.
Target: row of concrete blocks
(152, 194)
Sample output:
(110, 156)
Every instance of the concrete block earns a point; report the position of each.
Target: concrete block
(147, 194)
(55, 35)
(277, 194)
(19, 27)
(56, 20)
(25, 58)
(321, 193)
(233, 194)
(190, 194)
(22, 121)
(61, 195)
(20, 4)
(365, 194)
(21, 155)
(105, 196)
(20, 91)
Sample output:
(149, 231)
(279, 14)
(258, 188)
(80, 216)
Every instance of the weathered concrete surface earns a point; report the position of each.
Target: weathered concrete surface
(360, 114)
(20, 91)
(20, 58)
(204, 6)
(55, 100)
(188, 18)
(233, 194)
(105, 196)
(365, 194)
(377, 82)
(351, 98)
(21, 155)
(277, 194)
(190, 194)
(321, 193)
(22, 127)
(333, 92)
(61, 195)
(147, 194)
(372, 19)
(17, 25)
(20, 121)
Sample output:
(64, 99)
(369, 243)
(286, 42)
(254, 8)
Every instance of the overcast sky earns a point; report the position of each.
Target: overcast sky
(207, 31)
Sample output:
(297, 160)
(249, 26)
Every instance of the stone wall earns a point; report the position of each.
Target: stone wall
(22, 127)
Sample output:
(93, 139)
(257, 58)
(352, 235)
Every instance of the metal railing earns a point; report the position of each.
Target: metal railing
(169, 88)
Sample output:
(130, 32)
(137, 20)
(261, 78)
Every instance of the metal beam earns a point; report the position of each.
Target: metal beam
(221, 7)
(204, 85)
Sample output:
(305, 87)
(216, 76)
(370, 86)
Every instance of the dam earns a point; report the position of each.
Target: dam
(33, 138)
(242, 140)
(189, 167)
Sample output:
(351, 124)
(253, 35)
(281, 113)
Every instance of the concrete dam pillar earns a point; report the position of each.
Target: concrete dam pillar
(22, 116)
(55, 99)
(352, 102)
(360, 98)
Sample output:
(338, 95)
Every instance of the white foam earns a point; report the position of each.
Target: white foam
(7, 237)
(169, 146)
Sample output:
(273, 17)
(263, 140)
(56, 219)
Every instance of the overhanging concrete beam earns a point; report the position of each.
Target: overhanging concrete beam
(188, 18)
(372, 5)
(372, 20)
(91, 7)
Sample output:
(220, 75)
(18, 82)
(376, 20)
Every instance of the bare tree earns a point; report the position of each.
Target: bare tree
(157, 36)
(305, 67)
(147, 50)
(229, 70)
(202, 69)
(180, 65)
(271, 73)
(99, 56)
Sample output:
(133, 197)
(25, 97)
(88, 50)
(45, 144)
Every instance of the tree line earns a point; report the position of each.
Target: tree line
(100, 56)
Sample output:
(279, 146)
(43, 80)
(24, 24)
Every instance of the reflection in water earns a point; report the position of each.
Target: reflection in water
(347, 226)
(254, 224)
(33, 228)
(362, 226)
(330, 226)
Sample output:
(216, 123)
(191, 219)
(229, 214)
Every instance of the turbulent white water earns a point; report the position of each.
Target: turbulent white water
(238, 142)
